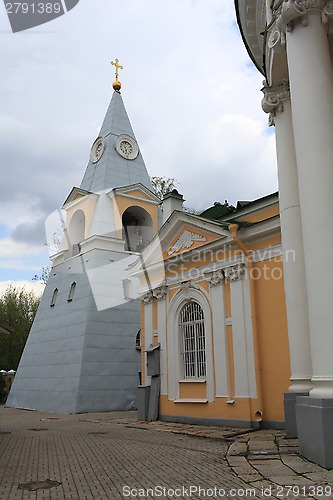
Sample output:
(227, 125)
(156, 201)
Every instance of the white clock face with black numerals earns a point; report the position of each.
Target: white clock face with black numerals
(97, 150)
(127, 147)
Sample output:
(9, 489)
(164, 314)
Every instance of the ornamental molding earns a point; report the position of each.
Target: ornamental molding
(160, 292)
(273, 99)
(147, 298)
(216, 278)
(235, 273)
(287, 12)
(186, 240)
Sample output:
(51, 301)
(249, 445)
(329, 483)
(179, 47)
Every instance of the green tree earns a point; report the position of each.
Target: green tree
(163, 185)
(17, 312)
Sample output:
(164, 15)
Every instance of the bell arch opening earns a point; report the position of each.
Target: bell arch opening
(137, 229)
(76, 230)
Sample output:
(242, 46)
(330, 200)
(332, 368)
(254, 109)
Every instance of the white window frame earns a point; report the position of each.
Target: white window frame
(192, 335)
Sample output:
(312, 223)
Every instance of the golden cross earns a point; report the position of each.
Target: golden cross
(117, 67)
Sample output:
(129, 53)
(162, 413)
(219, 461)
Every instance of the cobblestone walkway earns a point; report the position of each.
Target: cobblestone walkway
(112, 456)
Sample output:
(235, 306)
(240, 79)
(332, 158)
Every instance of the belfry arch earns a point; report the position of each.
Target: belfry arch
(137, 228)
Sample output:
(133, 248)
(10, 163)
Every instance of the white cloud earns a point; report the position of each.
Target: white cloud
(35, 287)
(10, 248)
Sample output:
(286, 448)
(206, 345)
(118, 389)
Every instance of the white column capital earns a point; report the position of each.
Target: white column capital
(290, 10)
(273, 99)
(215, 278)
(160, 292)
(235, 272)
(147, 298)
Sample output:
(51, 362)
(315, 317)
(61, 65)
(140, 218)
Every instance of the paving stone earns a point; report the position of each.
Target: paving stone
(237, 448)
(291, 480)
(299, 465)
(324, 476)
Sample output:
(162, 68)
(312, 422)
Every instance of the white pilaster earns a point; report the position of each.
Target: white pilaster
(161, 295)
(148, 322)
(277, 102)
(311, 86)
(222, 387)
(244, 365)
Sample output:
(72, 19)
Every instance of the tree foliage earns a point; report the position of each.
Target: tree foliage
(163, 185)
(17, 312)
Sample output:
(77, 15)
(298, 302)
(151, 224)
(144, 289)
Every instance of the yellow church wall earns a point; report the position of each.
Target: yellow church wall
(219, 408)
(138, 194)
(121, 203)
(269, 242)
(192, 390)
(262, 215)
(273, 337)
(87, 206)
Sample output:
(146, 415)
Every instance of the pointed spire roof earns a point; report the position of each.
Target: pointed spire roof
(121, 163)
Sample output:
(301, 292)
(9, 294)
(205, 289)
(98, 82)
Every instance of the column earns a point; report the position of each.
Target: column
(276, 101)
(311, 87)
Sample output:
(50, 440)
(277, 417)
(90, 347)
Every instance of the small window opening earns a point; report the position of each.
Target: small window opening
(54, 297)
(71, 292)
(138, 340)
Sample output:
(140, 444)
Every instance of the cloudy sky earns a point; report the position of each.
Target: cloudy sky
(190, 89)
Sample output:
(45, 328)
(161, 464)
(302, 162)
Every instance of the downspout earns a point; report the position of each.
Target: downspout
(233, 228)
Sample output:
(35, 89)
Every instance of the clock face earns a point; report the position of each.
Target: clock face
(127, 147)
(97, 150)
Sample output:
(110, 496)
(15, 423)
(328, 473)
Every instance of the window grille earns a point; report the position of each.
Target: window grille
(54, 297)
(193, 341)
(71, 292)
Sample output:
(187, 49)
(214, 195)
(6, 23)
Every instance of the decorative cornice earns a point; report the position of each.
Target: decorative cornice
(290, 10)
(273, 99)
(160, 293)
(147, 298)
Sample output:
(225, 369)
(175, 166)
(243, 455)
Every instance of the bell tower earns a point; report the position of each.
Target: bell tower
(81, 353)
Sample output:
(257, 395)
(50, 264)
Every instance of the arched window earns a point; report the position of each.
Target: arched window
(71, 292)
(54, 297)
(193, 341)
(137, 229)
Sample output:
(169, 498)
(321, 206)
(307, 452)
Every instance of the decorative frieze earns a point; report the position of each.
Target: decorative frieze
(273, 99)
(290, 10)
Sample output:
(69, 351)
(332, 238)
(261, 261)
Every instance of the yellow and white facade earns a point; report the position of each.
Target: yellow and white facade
(214, 302)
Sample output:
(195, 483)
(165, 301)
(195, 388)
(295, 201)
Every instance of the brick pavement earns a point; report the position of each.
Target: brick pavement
(96, 456)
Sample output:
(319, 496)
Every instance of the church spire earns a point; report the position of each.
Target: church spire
(115, 158)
